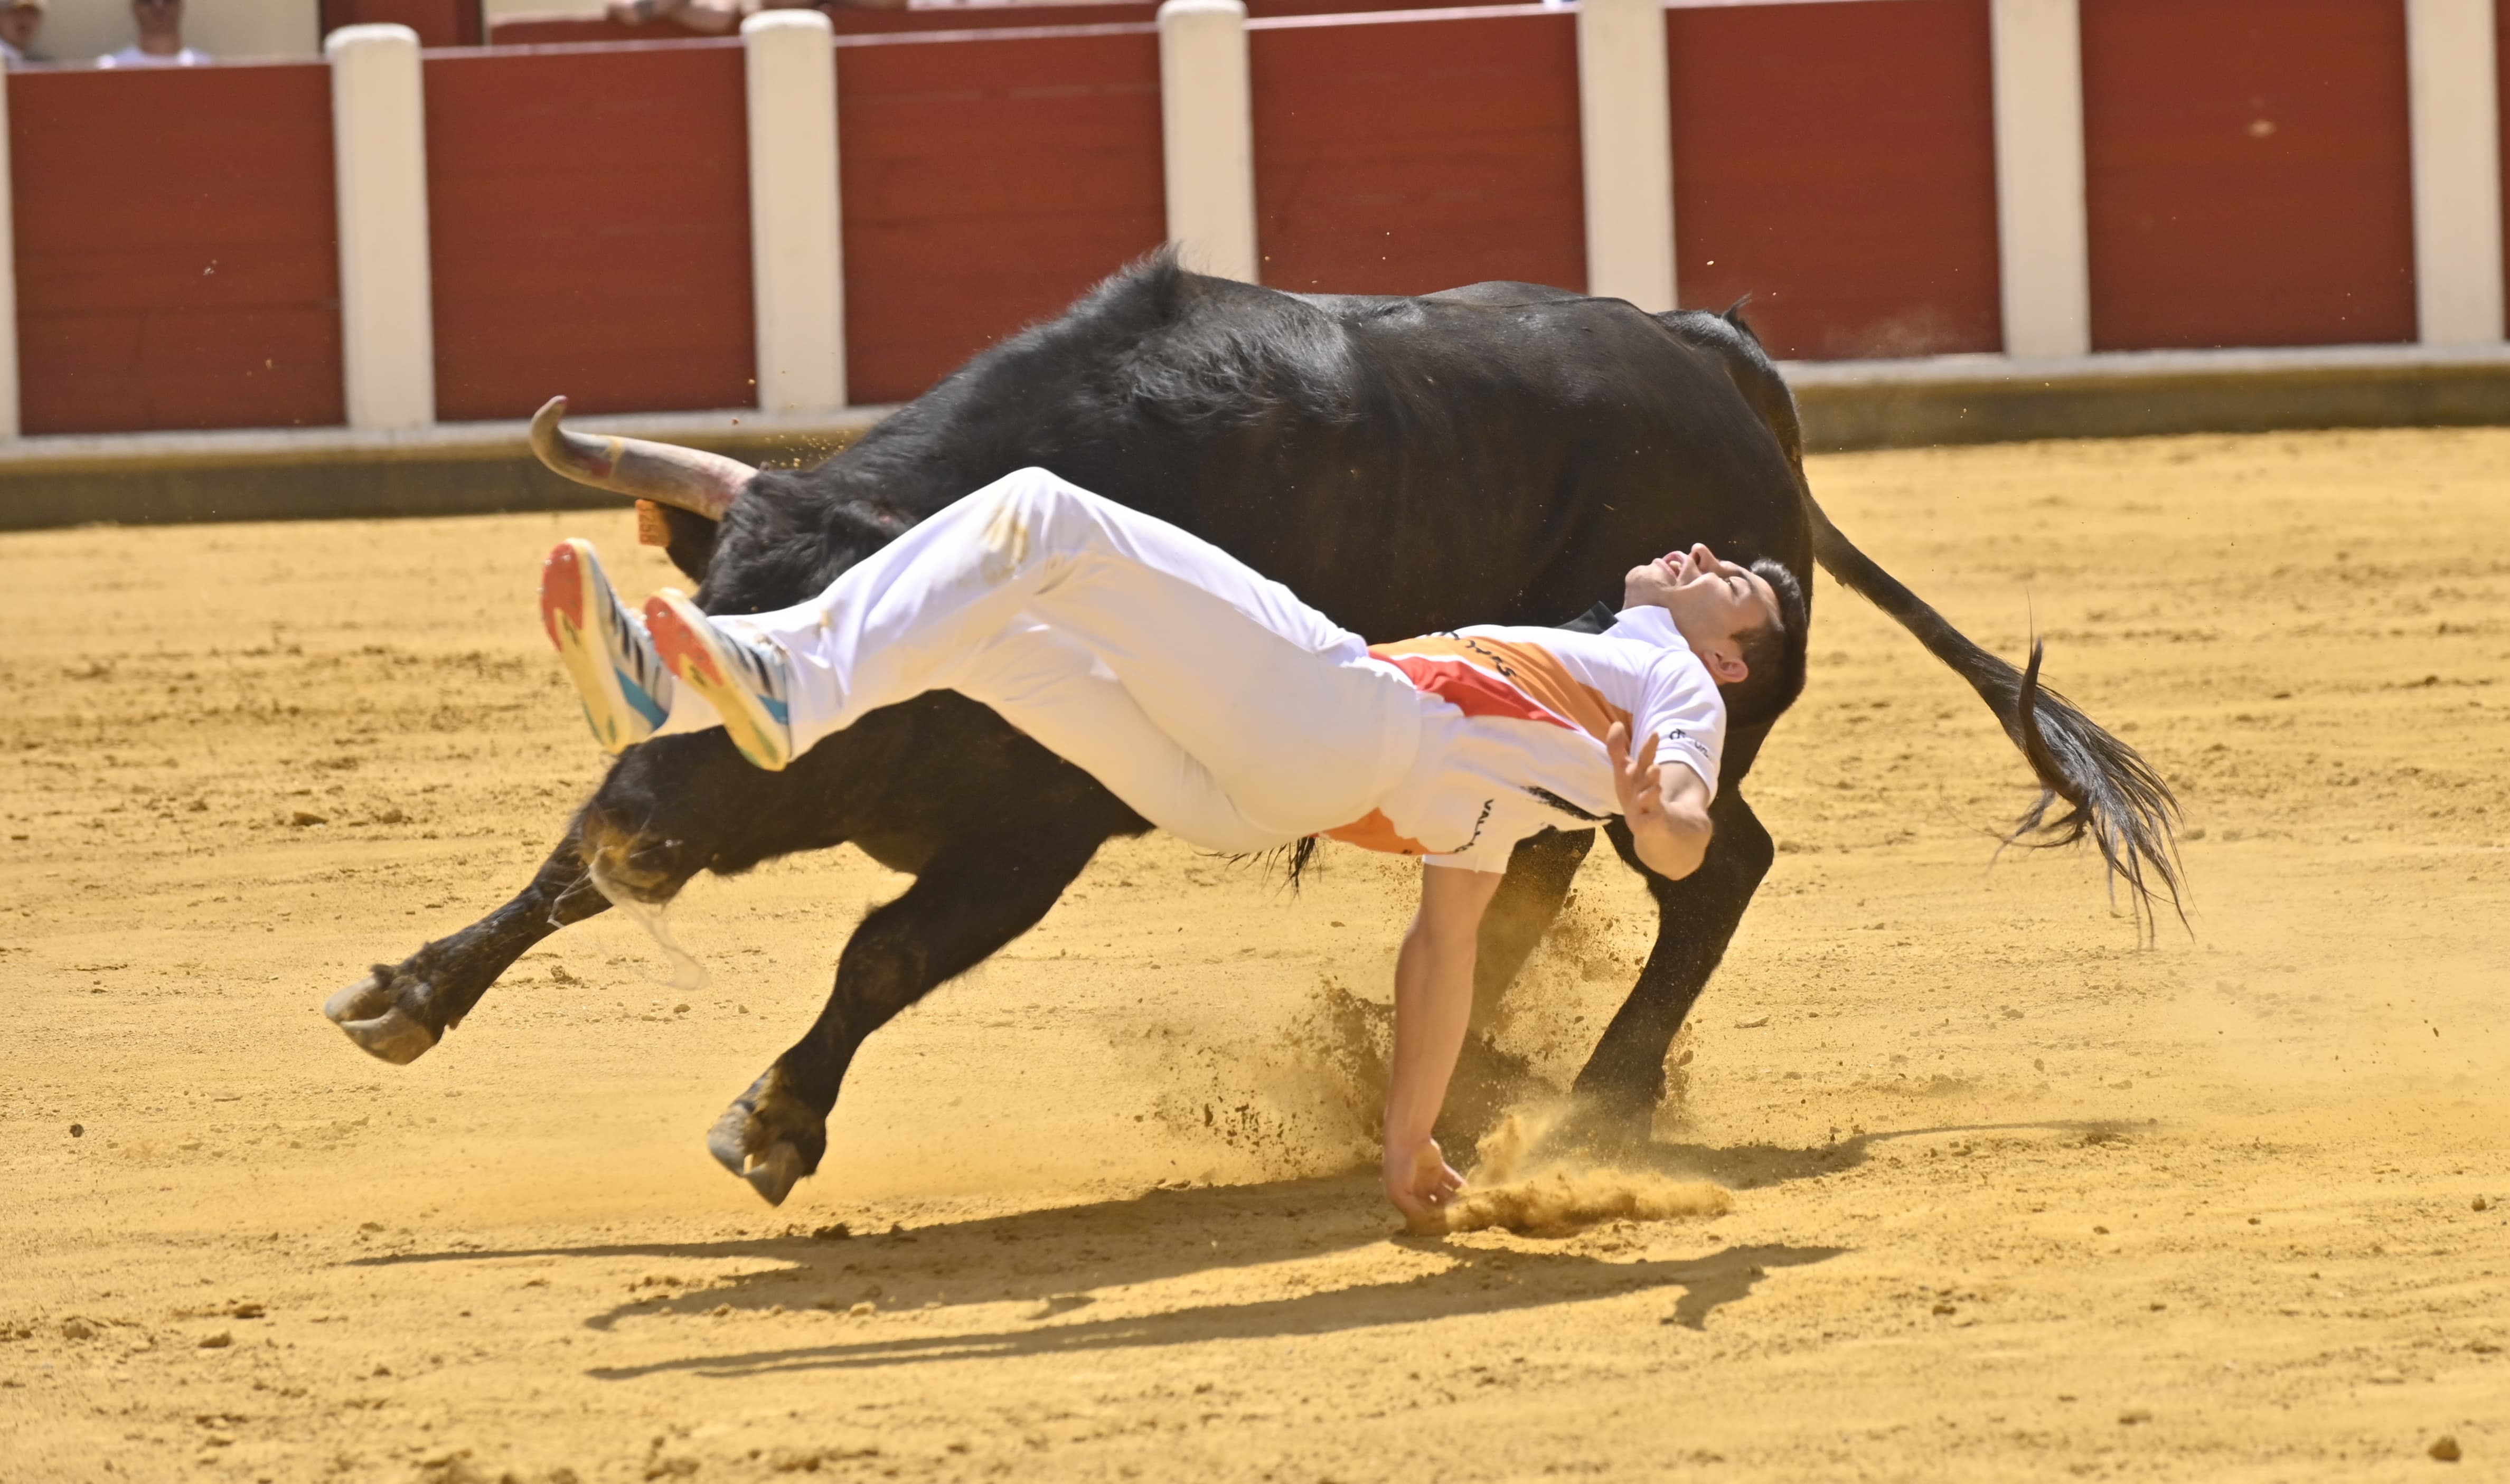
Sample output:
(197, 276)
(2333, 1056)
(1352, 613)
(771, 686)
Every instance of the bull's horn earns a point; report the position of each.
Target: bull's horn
(697, 481)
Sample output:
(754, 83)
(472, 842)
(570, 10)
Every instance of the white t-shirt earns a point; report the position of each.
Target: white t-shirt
(1512, 734)
(133, 56)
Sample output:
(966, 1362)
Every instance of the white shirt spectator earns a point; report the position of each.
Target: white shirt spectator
(133, 56)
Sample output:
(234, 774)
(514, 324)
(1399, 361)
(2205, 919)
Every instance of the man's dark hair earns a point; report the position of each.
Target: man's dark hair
(1774, 653)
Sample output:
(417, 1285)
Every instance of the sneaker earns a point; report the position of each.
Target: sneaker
(624, 689)
(745, 683)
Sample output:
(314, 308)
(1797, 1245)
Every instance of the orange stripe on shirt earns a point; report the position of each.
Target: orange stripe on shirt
(1529, 670)
(1372, 831)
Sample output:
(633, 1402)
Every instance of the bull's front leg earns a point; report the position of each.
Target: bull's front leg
(1538, 876)
(399, 1011)
(963, 907)
(1623, 1081)
(669, 809)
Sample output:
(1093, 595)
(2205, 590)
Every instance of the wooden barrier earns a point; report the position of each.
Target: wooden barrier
(2247, 181)
(1411, 157)
(176, 266)
(541, 30)
(986, 184)
(438, 22)
(590, 212)
(2248, 172)
(1837, 163)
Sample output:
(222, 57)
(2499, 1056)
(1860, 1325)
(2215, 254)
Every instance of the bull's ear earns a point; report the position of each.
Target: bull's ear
(687, 539)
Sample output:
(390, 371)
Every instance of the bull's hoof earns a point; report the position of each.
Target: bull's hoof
(367, 1012)
(761, 1138)
(1611, 1130)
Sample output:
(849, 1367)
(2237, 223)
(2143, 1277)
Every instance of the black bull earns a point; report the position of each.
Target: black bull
(1495, 454)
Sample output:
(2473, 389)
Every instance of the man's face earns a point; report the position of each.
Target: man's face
(158, 18)
(18, 24)
(1712, 601)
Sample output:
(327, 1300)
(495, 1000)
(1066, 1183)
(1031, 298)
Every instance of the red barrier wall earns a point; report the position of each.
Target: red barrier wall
(2248, 172)
(438, 22)
(533, 29)
(1838, 164)
(588, 213)
(986, 184)
(175, 240)
(1409, 158)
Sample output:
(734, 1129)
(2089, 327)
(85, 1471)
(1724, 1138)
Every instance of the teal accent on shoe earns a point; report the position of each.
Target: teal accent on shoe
(637, 697)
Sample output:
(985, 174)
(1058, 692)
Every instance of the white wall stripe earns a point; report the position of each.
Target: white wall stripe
(1625, 134)
(1207, 136)
(796, 241)
(379, 165)
(2043, 242)
(2450, 74)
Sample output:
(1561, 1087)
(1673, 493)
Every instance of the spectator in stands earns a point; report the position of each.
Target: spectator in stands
(714, 18)
(20, 20)
(161, 38)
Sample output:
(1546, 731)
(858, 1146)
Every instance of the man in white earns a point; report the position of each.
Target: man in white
(161, 38)
(1225, 711)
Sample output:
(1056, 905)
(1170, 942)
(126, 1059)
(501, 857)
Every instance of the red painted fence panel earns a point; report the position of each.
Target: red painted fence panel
(588, 213)
(2248, 172)
(438, 22)
(176, 264)
(987, 183)
(1838, 164)
(854, 20)
(1406, 158)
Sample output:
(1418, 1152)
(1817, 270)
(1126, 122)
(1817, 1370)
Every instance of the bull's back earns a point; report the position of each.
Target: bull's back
(1498, 454)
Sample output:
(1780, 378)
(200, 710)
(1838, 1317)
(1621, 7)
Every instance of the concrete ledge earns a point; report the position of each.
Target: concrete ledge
(1852, 405)
(295, 474)
(475, 468)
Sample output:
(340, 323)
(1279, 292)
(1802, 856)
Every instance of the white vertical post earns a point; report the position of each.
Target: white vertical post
(2043, 230)
(8, 416)
(1207, 136)
(1625, 131)
(796, 247)
(2455, 99)
(379, 162)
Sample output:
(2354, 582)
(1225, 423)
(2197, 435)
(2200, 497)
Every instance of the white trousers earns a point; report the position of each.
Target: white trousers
(1202, 694)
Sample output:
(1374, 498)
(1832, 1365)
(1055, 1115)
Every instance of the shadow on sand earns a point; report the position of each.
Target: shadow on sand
(1480, 1282)
(1063, 1257)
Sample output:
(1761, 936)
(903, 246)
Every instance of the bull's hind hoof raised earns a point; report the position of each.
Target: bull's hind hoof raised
(369, 1015)
(762, 1137)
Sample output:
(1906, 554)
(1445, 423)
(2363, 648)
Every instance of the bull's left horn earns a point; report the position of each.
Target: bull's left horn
(697, 481)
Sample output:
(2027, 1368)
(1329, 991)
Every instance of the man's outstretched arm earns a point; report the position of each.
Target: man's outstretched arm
(1666, 807)
(1433, 999)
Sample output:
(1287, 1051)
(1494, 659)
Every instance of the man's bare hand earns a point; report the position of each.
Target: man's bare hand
(1638, 780)
(1665, 808)
(1420, 1183)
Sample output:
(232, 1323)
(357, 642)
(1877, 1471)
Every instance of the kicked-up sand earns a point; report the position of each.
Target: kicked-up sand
(1979, 1187)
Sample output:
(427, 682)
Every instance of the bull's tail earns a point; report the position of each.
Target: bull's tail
(2111, 794)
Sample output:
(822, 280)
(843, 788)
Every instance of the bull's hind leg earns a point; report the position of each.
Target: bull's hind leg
(1538, 876)
(1696, 918)
(961, 907)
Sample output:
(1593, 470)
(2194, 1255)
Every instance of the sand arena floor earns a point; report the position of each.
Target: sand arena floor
(2012, 1195)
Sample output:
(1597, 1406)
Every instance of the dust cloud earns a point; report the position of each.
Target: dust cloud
(1518, 1185)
